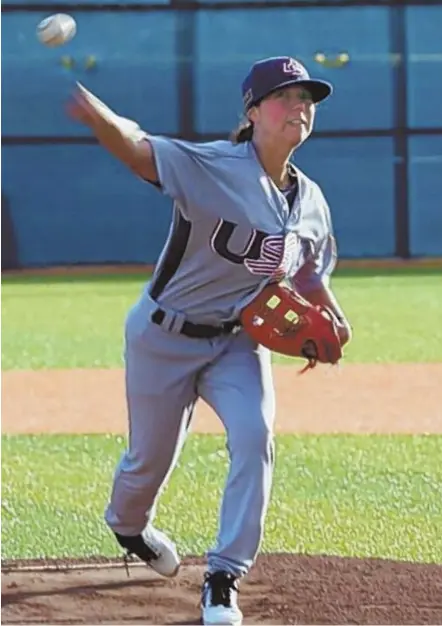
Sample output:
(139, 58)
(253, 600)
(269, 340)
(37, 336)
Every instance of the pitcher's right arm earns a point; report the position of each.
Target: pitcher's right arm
(121, 137)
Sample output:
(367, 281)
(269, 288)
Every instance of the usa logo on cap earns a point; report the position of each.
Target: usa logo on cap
(293, 68)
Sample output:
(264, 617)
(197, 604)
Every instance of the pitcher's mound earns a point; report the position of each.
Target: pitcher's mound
(281, 589)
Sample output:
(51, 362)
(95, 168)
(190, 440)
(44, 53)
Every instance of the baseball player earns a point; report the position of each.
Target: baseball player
(243, 218)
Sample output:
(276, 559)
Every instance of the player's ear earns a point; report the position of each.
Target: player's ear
(252, 114)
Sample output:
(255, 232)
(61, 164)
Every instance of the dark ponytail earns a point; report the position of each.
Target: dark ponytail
(243, 133)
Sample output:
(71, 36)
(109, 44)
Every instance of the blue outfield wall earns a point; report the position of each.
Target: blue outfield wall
(377, 152)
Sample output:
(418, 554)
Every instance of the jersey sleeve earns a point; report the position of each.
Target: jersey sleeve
(319, 267)
(182, 171)
(316, 272)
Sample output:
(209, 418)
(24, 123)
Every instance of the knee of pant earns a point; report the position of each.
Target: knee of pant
(254, 440)
(138, 464)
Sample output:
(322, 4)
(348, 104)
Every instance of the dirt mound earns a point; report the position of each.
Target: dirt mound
(280, 589)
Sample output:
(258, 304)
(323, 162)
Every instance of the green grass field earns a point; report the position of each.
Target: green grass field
(343, 495)
(60, 323)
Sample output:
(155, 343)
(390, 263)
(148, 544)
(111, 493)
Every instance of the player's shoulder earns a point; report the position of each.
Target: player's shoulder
(314, 192)
(222, 148)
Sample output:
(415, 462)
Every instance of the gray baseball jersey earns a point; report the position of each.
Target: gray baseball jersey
(233, 229)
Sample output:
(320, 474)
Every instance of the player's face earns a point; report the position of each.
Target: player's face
(287, 112)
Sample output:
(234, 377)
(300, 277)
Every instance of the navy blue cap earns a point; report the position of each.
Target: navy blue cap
(273, 73)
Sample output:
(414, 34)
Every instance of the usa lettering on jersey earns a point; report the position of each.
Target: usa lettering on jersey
(264, 255)
(270, 259)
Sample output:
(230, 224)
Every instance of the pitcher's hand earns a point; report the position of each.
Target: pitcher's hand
(84, 107)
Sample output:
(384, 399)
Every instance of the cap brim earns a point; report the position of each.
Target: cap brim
(320, 89)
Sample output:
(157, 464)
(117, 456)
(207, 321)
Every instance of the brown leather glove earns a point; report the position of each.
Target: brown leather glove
(283, 321)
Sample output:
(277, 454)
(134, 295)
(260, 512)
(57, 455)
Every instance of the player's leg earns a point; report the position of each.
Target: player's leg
(160, 398)
(157, 429)
(239, 387)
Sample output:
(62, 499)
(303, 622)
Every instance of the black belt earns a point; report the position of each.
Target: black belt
(200, 331)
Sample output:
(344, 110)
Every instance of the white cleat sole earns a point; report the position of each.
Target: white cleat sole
(168, 562)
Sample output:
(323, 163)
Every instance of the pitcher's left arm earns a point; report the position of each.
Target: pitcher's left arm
(324, 296)
(312, 281)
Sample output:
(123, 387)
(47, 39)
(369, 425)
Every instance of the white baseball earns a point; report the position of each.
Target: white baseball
(56, 30)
